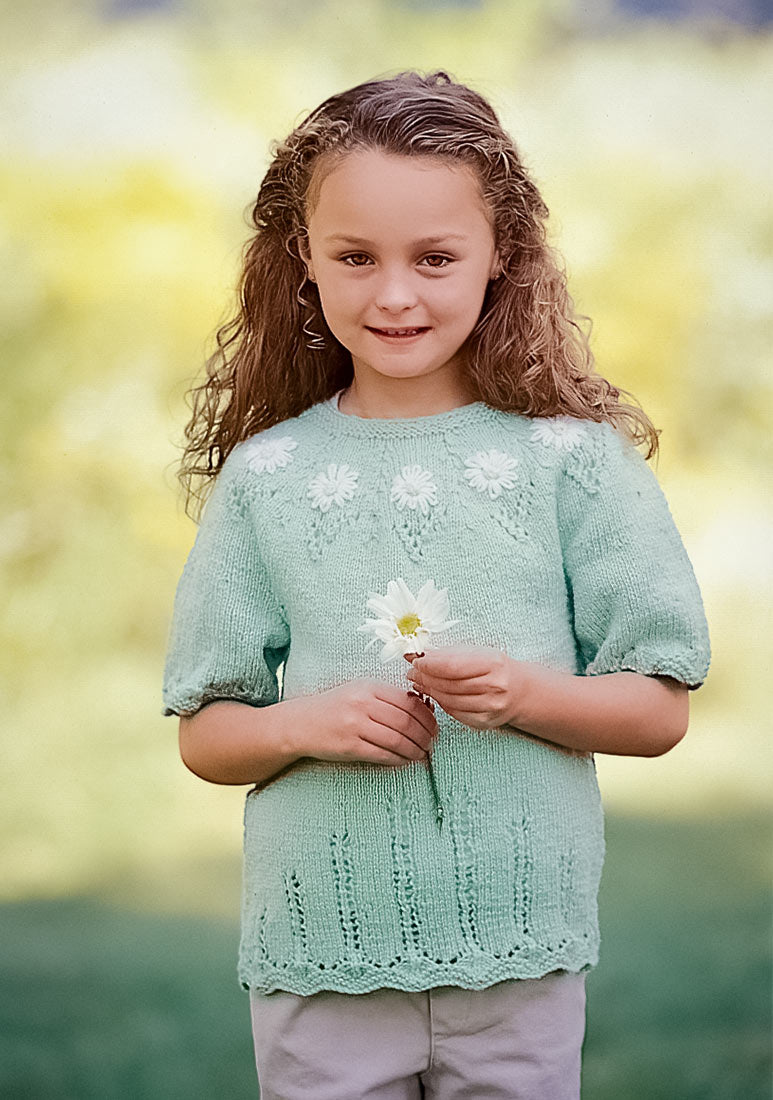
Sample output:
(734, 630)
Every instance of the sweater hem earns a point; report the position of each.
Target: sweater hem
(413, 975)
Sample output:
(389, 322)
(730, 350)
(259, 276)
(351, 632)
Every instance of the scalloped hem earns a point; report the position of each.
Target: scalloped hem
(185, 706)
(644, 668)
(414, 975)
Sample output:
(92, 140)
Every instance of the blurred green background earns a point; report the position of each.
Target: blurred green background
(136, 135)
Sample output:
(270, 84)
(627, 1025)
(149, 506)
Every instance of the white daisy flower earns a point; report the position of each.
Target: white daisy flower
(268, 454)
(561, 432)
(491, 472)
(405, 621)
(414, 488)
(333, 486)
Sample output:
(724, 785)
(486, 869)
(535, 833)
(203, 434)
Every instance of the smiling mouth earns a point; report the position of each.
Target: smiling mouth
(398, 333)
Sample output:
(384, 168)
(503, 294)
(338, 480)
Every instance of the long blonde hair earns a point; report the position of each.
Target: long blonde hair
(528, 352)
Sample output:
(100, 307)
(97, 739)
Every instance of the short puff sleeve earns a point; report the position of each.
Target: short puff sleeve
(636, 603)
(228, 634)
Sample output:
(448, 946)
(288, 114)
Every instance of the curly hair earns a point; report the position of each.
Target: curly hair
(528, 352)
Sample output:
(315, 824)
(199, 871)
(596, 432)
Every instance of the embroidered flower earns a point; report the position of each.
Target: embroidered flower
(406, 621)
(414, 488)
(333, 486)
(268, 454)
(491, 472)
(561, 432)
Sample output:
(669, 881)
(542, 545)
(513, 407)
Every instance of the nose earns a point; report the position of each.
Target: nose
(395, 292)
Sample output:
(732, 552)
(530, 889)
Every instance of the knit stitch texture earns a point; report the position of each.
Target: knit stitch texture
(555, 544)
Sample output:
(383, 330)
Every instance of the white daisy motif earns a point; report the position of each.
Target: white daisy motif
(405, 621)
(414, 488)
(491, 472)
(561, 432)
(332, 486)
(269, 454)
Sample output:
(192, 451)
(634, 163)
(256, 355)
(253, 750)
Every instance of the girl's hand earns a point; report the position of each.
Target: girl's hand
(367, 720)
(478, 686)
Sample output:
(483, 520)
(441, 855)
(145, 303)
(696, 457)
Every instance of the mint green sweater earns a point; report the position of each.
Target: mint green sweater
(555, 544)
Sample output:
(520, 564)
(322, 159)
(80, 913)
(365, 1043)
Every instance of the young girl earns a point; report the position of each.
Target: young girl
(411, 454)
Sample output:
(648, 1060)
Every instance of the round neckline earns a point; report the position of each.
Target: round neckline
(403, 425)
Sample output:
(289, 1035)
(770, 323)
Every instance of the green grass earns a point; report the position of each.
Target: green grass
(102, 1002)
(680, 1005)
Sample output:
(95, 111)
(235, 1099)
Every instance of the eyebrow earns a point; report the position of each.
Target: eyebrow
(424, 242)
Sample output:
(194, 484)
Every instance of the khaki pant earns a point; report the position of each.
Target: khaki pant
(516, 1040)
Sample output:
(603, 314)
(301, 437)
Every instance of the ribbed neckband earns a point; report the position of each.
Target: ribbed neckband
(374, 427)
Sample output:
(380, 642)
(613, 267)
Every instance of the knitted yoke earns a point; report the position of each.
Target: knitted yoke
(555, 544)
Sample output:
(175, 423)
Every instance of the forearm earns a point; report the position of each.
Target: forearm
(229, 742)
(622, 713)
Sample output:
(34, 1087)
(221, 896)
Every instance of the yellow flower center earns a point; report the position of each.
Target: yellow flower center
(408, 624)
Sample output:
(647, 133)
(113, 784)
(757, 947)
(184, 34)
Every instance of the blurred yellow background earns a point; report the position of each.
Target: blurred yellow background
(136, 135)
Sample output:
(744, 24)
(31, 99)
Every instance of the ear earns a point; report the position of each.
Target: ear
(305, 253)
(496, 266)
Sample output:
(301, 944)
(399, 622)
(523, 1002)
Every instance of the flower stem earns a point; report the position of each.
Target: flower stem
(432, 781)
(435, 794)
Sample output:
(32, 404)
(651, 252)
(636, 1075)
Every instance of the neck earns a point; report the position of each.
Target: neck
(388, 399)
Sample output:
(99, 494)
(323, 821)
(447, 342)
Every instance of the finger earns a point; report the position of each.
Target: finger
(455, 662)
(377, 754)
(424, 713)
(425, 699)
(416, 724)
(389, 740)
(474, 705)
(469, 685)
(402, 699)
(451, 673)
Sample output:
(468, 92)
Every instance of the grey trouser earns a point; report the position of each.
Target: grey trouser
(518, 1039)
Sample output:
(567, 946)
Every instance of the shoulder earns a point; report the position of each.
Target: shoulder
(266, 451)
(270, 450)
(577, 450)
(595, 457)
(263, 473)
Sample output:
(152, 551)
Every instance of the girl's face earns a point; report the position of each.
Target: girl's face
(402, 250)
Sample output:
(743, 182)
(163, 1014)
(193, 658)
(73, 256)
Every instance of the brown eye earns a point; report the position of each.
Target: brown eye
(356, 259)
(436, 261)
